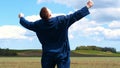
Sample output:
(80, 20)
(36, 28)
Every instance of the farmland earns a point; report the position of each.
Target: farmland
(76, 62)
(79, 59)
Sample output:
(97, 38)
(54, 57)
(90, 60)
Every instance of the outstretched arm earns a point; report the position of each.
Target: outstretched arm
(70, 19)
(25, 23)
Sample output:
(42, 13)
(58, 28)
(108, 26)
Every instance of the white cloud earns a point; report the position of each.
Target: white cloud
(98, 32)
(107, 33)
(32, 18)
(71, 36)
(13, 32)
(70, 3)
(39, 1)
(81, 3)
(106, 3)
(105, 14)
(83, 23)
(115, 25)
(112, 34)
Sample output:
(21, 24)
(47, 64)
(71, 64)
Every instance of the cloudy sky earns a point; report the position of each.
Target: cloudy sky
(100, 28)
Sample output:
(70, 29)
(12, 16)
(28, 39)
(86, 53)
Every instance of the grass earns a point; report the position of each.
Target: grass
(19, 62)
(95, 62)
(76, 62)
(99, 53)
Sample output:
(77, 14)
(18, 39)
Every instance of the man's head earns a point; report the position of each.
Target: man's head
(45, 13)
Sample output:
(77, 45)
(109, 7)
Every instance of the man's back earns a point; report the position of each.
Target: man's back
(52, 34)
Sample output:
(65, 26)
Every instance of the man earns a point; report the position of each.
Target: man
(52, 33)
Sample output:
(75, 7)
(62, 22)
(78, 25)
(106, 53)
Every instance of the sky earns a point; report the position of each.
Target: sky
(100, 28)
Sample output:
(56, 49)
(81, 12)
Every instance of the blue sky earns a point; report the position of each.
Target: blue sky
(100, 28)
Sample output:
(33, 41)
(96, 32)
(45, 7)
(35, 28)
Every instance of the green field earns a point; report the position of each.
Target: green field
(76, 62)
(97, 53)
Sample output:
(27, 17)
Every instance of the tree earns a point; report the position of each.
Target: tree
(105, 49)
(7, 52)
(81, 48)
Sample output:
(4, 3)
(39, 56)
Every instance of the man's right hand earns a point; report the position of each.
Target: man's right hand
(21, 15)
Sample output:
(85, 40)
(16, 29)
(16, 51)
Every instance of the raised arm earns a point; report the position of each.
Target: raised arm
(25, 23)
(70, 19)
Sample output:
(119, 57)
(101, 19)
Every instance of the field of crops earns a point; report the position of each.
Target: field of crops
(76, 62)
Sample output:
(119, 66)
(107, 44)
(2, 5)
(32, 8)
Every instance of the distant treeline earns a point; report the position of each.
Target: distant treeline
(7, 52)
(104, 49)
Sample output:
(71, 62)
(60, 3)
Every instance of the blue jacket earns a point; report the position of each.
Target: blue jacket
(53, 34)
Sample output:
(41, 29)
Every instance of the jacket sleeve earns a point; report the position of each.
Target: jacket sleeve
(27, 24)
(70, 19)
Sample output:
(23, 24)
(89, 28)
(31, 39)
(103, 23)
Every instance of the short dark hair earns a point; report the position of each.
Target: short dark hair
(44, 14)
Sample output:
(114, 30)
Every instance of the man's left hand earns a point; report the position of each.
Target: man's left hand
(90, 3)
